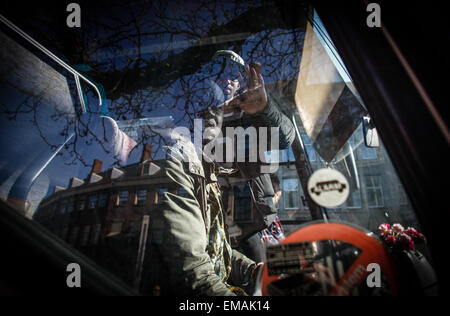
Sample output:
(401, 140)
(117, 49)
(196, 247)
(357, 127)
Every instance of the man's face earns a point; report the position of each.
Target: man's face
(228, 75)
(231, 88)
(213, 119)
(223, 80)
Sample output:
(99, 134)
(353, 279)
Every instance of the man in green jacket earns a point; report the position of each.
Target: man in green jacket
(190, 252)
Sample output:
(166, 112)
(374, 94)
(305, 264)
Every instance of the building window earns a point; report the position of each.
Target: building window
(116, 228)
(82, 204)
(53, 207)
(103, 200)
(85, 235)
(291, 193)
(73, 235)
(242, 212)
(93, 199)
(311, 152)
(161, 192)
(64, 207)
(287, 155)
(141, 197)
(368, 153)
(374, 191)
(146, 169)
(96, 234)
(70, 206)
(354, 200)
(123, 198)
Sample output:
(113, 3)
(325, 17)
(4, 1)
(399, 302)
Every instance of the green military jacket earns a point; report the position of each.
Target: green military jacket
(190, 252)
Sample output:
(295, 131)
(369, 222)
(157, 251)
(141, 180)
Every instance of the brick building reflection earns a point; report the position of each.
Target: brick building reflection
(106, 215)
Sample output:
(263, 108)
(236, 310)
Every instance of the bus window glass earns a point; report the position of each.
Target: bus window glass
(85, 158)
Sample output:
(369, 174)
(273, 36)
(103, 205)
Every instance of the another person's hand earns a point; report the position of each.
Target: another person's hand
(257, 270)
(322, 274)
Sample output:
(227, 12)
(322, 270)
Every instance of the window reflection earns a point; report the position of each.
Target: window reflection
(368, 153)
(93, 201)
(290, 192)
(141, 197)
(123, 198)
(98, 195)
(374, 191)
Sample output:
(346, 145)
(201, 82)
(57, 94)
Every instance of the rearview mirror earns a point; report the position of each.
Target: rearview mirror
(370, 133)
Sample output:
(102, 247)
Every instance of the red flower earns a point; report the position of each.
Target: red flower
(400, 238)
(406, 241)
(397, 228)
(385, 229)
(390, 241)
(414, 234)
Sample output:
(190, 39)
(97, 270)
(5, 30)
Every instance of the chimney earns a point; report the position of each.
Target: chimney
(146, 153)
(58, 188)
(97, 166)
(115, 173)
(75, 182)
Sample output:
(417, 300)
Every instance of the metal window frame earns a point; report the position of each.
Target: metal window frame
(76, 74)
(399, 82)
